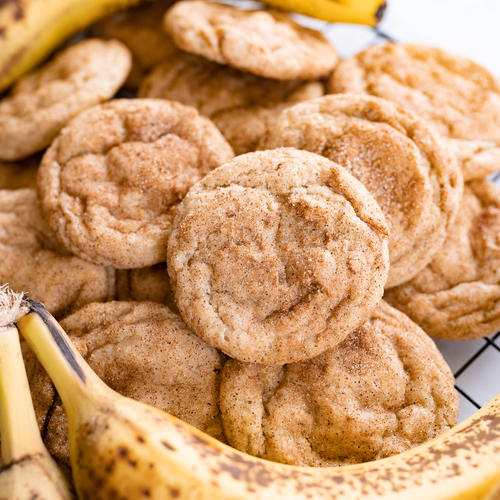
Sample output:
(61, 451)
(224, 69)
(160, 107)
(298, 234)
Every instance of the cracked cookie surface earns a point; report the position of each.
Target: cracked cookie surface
(457, 296)
(407, 167)
(457, 96)
(111, 182)
(31, 259)
(277, 255)
(266, 43)
(42, 103)
(143, 351)
(383, 390)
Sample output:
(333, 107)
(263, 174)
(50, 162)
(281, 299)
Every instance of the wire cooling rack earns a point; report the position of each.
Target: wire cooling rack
(475, 364)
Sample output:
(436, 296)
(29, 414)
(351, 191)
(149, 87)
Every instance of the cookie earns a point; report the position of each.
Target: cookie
(383, 390)
(459, 98)
(277, 256)
(266, 43)
(146, 284)
(30, 259)
(240, 104)
(41, 103)
(20, 174)
(457, 296)
(140, 30)
(407, 167)
(143, 351)
(110, 183)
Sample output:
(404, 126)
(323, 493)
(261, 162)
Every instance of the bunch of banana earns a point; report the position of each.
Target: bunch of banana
(28, 471)
(31, 29)
(124, 449)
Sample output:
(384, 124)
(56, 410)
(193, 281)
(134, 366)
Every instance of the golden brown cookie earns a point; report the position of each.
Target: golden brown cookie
(30, 263)
(41, 103)
(265, 43)
(383, 390)
(277, 256)
(20, 174)
(143, 351)
(457, 96)
(110, 183)
(140, 30)
(240, 104)
(149, 283)
(407, 167)
(457, 296)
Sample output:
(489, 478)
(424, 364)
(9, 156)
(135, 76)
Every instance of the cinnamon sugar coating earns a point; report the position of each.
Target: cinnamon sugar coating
(240, 104)
(407, 167)
(383, 390)
(31, 259)
(460, 98)
(457, 296)
(111, 182)
(277, 256)
(43, 102)
(140, 30)
(266, 43)
(143, 351)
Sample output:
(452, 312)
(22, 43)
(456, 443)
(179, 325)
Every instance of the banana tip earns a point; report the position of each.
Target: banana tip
(13, 305)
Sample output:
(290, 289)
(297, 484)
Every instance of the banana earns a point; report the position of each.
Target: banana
(125, 449)
(28, 472)
(368, 12)
(32, 29)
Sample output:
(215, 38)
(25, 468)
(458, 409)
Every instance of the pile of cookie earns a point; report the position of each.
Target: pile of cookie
(280, 300)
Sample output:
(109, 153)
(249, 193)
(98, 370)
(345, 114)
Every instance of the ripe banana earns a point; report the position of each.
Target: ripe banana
(29, 471)
(125, 449)
(368, 12)
(31, 29)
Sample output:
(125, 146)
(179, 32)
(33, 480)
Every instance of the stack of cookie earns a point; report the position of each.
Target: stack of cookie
(278, 260)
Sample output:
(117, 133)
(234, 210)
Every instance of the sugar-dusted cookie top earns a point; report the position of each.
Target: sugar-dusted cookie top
(31, 260)
(407, 167)
(383, 390)
(239, 103)
(110, 183)
(457, 296)
(277, 256)
(457, 96)
(267, 43)
(41, 103)
(143, 351)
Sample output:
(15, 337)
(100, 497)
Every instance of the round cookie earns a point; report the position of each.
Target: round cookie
(140, 30)
(383, 390)
(41, 103)
(266, 43)
(457, 96)
(143, 351)
(457, 296)
(31, 261)
(110, 183)
(277, 256)
(407, 167)
(240, 104)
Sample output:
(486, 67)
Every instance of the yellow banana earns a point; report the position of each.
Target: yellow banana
(31, 29)
(125, 449)
(368, 12)
(29, 472)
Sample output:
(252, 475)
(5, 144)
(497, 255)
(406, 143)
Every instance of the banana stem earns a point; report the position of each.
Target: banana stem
(18, 426)
(73, 378)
